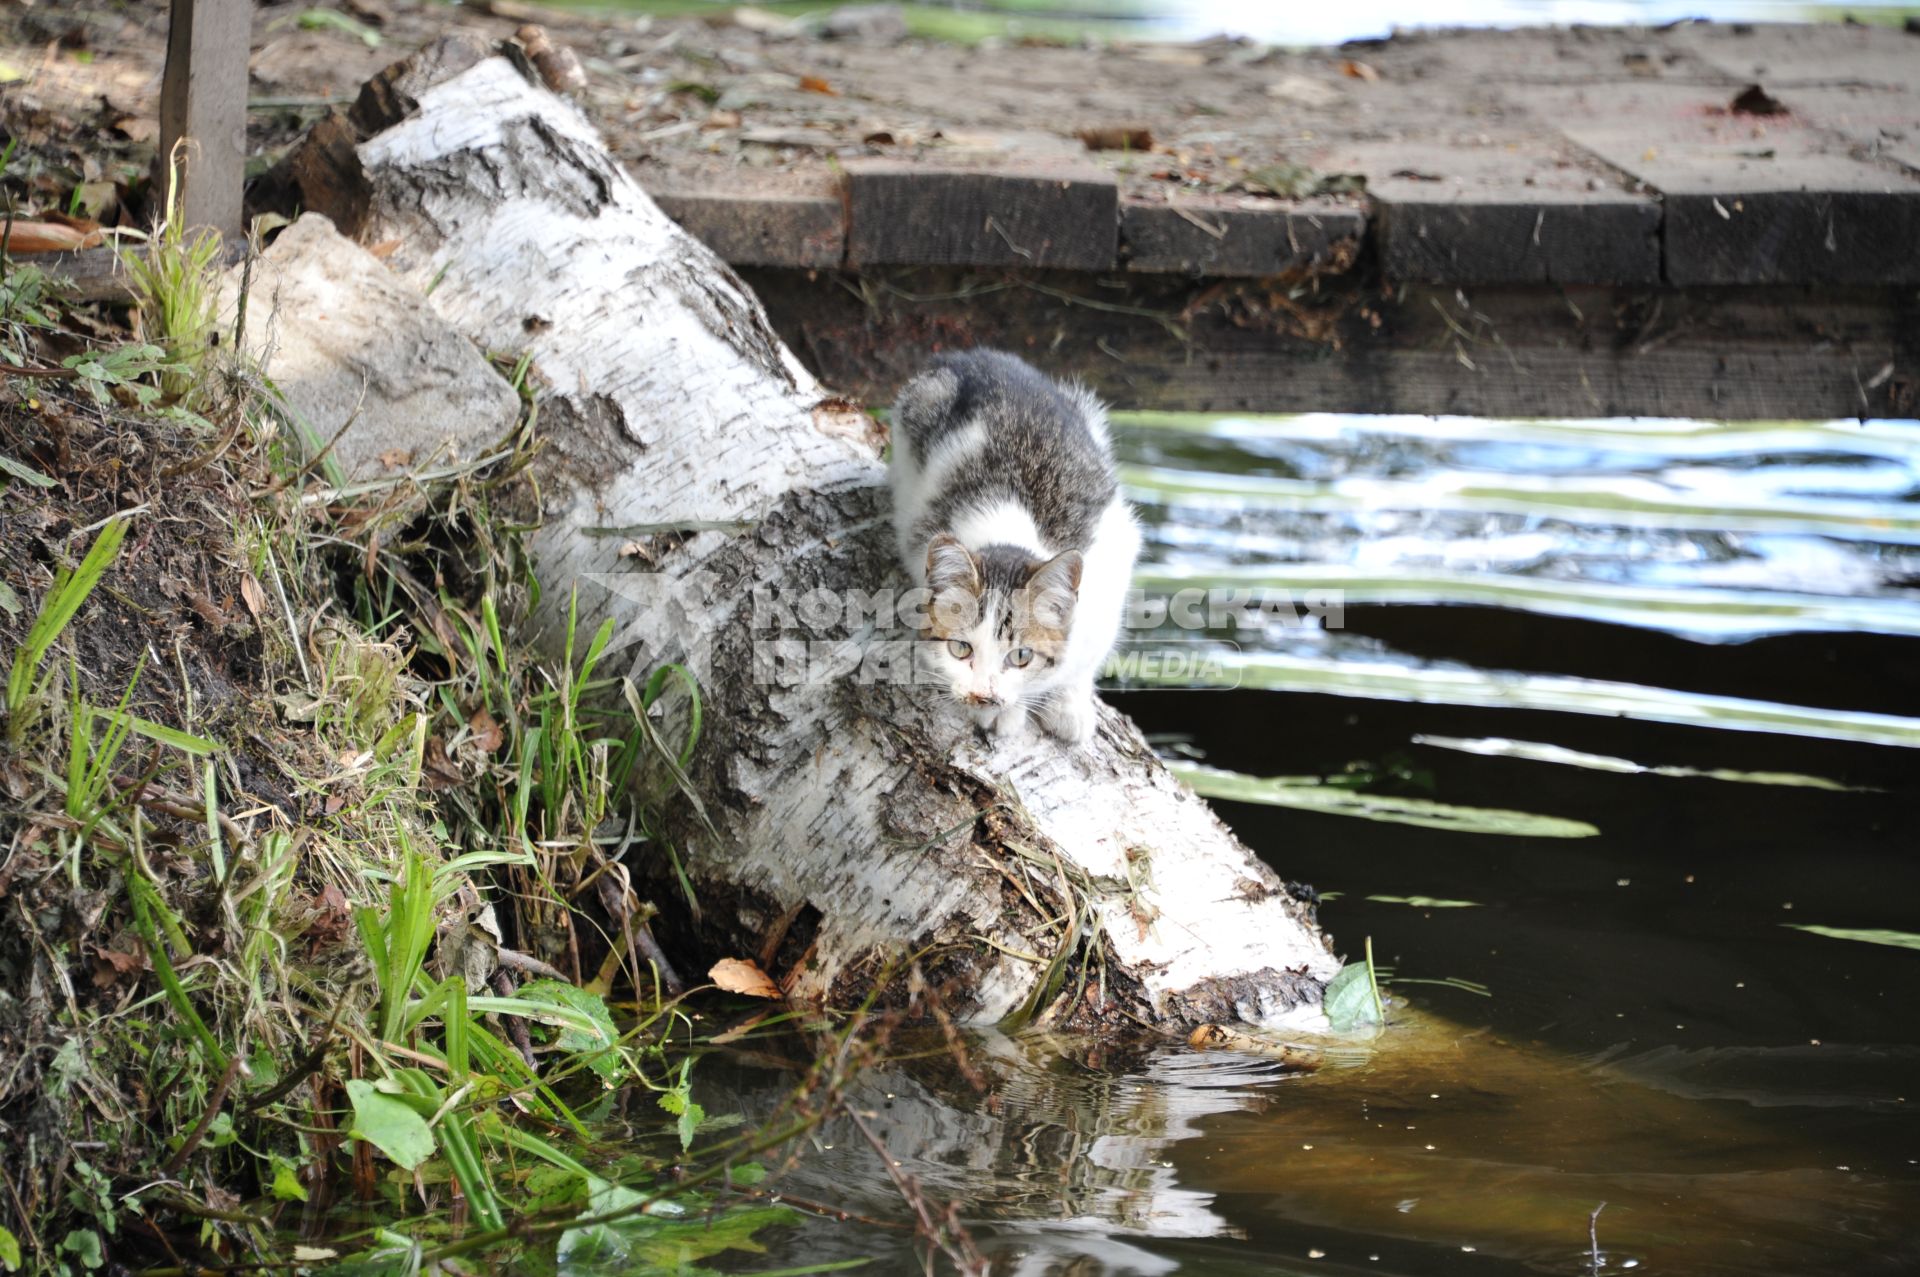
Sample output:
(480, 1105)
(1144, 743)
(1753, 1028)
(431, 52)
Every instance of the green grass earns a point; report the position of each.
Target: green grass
(273, 992)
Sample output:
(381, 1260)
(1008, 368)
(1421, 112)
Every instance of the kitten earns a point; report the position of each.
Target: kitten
(1006, 508)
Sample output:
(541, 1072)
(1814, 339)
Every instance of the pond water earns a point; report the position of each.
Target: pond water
(1617, 710)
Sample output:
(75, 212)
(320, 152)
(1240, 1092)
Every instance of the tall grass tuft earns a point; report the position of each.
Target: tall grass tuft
(175, 283)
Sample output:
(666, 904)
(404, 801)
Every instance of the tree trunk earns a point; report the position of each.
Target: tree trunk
(695, 482)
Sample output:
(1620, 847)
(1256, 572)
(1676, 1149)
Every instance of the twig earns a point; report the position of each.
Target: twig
(952, 1239)
(1593, 1236)
(199, 1132)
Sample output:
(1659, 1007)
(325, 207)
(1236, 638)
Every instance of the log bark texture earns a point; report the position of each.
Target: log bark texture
(692, 463)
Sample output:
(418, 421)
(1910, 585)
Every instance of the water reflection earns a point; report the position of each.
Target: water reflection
(1443, 1148)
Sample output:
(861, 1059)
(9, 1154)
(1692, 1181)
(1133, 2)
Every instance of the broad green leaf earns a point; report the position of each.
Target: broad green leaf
(1866, 935)
(1348, 1000)
(84, 1245)
(286, 1181)
(389, 1125)
(691, 1115)
(590, 1033)
(9, 1251)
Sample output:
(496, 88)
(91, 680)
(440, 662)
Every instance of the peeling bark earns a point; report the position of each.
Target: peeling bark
(853, 823)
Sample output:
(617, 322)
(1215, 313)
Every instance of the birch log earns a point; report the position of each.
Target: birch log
(694, 476)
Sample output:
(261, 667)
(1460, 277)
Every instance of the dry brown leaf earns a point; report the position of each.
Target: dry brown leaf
(252, 595)
(1117, 137)
(49, 237)
(385, 248)
(486, 733)
(743, 975)
(814, 84)
(396, 458)
(1355, 70)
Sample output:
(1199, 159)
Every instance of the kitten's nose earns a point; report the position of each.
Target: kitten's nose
(982, 699)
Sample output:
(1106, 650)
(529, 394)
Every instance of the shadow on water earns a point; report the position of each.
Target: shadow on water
(1686, 651)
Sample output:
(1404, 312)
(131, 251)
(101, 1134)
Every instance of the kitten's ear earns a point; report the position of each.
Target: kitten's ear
(1055, 587)
(951, 565)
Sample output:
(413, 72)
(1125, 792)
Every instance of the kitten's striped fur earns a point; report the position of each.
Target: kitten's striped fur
(1006, 507)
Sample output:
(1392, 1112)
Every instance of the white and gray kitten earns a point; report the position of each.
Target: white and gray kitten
(1006, 508)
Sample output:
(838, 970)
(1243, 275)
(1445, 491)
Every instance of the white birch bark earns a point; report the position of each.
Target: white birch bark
(676, 423)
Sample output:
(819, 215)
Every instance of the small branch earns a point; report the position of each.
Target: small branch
(173, 1164)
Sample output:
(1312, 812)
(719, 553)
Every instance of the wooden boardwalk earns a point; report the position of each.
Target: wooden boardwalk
(1698, 220)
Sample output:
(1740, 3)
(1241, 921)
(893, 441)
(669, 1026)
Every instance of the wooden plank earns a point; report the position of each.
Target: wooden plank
(1749, 199)
(90, 275)
(1061, 215)
(762, 229)
(1517, 212)
(203, 99)
(1239, 236)
(1163, 343)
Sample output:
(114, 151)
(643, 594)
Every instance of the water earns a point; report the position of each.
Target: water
(1690, 650)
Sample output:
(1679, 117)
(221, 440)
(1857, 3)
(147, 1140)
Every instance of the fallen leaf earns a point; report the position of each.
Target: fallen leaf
(110, 964)
(395, 458)
(252, 595)
(486, 733)
(137, 128)
(49, 237)
(1354, 70)
(743, 975)
(437, 771)
(814, 84)
(722, 120)
(1118, 137)
(385, 248)
(636, 550)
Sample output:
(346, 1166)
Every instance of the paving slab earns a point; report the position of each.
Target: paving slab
(1747, 199)
(1781, 56)
(1238, 235)
(1522, 212)
(1064, 217)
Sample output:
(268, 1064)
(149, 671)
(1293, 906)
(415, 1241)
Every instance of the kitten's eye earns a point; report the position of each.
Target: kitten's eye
(1019, 657)
(960, 648)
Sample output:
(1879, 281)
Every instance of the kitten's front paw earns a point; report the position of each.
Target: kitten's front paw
(1070, 717)
(1011, 725)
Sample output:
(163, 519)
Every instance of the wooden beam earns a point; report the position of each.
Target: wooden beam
(203, 100)
(1215, 346)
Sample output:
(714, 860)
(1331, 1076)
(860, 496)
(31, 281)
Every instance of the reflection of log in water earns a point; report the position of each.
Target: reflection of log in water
(1068, 1136)
(1443, 1140)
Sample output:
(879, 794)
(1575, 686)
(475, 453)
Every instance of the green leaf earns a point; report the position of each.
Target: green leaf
(24, 472)
(286, 1181)
(389, 1125)
(9, 1251)
(691, 1115)
(746, 1175)
(590, 1033)
(1348, 1000)
(1866, 935)
(84, 1245)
